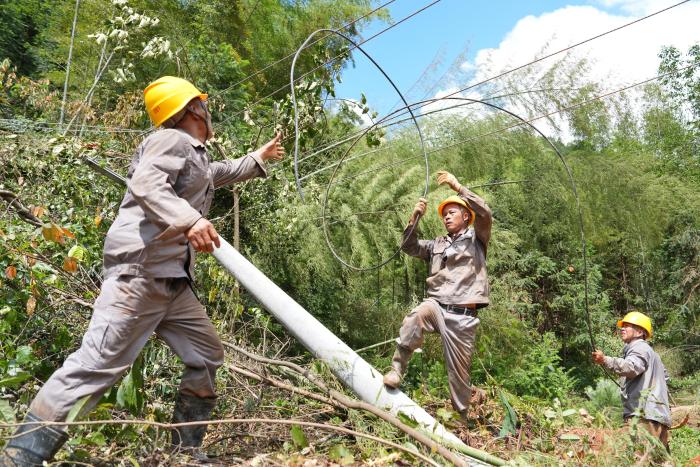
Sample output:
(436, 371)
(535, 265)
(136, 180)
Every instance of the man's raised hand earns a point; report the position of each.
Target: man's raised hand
(273, 149)
(598, 357)
(449, 179)
(419, 210)
(202, 235)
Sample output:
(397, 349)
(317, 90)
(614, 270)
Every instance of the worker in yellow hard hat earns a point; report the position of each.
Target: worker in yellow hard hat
(148, 258)
(644, 389)
(457, 287)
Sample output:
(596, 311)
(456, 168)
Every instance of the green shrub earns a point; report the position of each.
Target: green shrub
(540, 373)
(604, 400)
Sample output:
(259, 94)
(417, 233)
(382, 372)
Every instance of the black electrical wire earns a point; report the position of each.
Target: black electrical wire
(503, 129)
(406, 18)
(296, 145)
(522, 121)
(267, 67)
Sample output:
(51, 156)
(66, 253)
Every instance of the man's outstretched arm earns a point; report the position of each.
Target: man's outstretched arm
(248, 166)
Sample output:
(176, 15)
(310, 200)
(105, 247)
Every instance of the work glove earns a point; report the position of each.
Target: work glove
(419, 210)
(449, 179)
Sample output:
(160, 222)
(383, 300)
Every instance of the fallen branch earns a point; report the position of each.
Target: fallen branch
(351, 403)
(286, 387)
(225, 421)
(13, 200)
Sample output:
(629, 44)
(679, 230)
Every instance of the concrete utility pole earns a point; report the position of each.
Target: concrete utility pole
(348, 366)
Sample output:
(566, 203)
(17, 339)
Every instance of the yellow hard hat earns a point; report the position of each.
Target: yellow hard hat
(168, 95)
(454, 199)
(637, 318)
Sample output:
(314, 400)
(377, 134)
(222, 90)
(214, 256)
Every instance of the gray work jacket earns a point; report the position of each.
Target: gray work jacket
(171, 184)
(644, 390)
(457, 273)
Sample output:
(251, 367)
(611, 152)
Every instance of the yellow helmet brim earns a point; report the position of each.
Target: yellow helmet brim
(457, 200)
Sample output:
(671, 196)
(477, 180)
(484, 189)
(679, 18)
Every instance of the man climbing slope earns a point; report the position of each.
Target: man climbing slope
(457, 287)
(148, 264)
(644, 391)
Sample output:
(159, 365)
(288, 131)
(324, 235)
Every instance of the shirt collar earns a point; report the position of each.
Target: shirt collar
(193, 141)
(465, 234)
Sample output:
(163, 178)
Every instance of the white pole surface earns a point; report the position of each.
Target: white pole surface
(348, 366)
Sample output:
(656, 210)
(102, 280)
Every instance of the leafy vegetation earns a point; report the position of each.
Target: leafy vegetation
(636, 170)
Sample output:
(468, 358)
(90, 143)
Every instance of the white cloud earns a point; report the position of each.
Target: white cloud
(625, 56)
(618, 59)
(635, 7)
(467, 66)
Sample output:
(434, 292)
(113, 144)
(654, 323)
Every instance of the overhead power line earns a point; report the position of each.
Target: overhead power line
(291, 54)
(390, 121)
(286, 85)
(526, 121)
(566, 49)
(334, 144)
(510, 127)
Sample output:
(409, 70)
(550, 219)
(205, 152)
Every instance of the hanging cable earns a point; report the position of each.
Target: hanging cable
(290, 55)
(402, 20)
(296, 143)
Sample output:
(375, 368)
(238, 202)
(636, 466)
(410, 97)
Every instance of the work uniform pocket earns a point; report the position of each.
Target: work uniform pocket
(437, 257)
(196, 173)
(463, 251)
(93, 341)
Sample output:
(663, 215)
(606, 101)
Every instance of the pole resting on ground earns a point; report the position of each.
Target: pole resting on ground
(348, 366)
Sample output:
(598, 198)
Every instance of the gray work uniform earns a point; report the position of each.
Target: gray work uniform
(148, 265)
(457, 276)
(644, 389)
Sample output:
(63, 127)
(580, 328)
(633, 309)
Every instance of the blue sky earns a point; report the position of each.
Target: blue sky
(452, 26)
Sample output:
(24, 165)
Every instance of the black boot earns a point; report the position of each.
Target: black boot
(39, 443)
(189, 438)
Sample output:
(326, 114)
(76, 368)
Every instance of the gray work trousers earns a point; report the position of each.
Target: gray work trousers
(458, 334)
(128, 310)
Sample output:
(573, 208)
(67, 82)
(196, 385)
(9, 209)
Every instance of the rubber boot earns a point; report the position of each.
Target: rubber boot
(188, 439)
(38, 444)
(399, 363)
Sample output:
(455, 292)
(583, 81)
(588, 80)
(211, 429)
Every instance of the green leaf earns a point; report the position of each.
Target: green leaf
(23, 355)
(212, 294)
(130, 394)
(410, 446)
(410, 421)
(77, 252)
(510, 421)
(568, 412)
(19, 377)
(95, 438)
(298, 437)
(445, 414)
(569, 437)
(7, 415)
(77, 410)
(341, 454)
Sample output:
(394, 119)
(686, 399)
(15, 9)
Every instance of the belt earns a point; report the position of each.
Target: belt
(469, 310)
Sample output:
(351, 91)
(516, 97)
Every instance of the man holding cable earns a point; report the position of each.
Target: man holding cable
(148, 269)
(457, 287)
